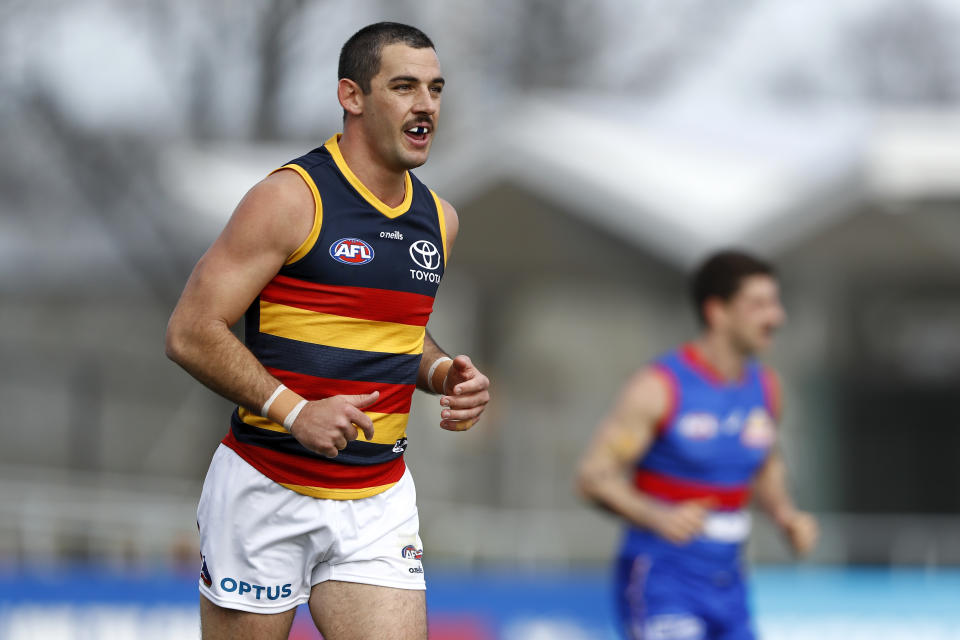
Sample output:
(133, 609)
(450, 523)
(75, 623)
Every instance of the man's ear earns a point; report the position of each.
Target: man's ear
(713, 310)
(350, 96)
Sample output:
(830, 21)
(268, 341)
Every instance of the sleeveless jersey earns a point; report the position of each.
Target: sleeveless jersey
(710, 445)
(715, 435)
(346, 314)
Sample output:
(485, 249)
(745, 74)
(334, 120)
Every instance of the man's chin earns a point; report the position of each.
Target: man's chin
(414, 159)
(761, 346)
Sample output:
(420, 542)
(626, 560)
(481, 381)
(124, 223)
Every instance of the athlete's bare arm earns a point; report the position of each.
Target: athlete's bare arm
(465, 389)
(624, 436)
(772, 494)
(271, 221)
(770, 489)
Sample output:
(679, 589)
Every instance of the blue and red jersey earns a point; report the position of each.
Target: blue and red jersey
(710, 444)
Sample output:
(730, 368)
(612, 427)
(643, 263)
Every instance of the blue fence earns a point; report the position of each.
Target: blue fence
(791, 603)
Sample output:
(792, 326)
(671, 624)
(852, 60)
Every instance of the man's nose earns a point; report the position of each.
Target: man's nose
(425, 102)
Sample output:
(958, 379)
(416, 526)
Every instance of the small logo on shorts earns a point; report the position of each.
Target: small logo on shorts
(205, 573)
(410, 552)
(351, 251)
(400, 446)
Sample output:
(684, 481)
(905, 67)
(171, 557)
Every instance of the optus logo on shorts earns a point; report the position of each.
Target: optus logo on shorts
(229, 585)
(351, 251)
(410, 552)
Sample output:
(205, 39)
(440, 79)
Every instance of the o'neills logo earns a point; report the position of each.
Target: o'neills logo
(351, 251)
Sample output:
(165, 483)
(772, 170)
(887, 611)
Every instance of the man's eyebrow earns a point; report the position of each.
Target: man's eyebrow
(438, 80)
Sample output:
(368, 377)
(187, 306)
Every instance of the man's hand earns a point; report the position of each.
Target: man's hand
(680, 522)
(466, 394)
(802, 532)
(326, 426)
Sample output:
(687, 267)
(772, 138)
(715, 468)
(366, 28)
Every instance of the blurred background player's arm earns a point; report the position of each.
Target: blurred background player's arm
(771, 492)
(770, 489)
(620, 441)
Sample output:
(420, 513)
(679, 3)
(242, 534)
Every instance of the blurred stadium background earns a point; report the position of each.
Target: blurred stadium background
(595, 151)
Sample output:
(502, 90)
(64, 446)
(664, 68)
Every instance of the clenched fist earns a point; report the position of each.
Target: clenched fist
(326, 426)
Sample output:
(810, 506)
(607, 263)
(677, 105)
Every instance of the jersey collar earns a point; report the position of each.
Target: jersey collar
(695, 360)
(333, 147)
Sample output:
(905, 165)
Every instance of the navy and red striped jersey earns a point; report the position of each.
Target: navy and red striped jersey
(715, 436)
(346, 314)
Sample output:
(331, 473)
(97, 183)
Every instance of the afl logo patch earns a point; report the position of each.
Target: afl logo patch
(410, 552)
(425, 254)
(351, 251)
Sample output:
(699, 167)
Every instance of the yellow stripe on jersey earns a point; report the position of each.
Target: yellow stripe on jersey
(260, 422)
(443, 223)
(311, 239)
(337, 494)
(387, 427)
(340, 331)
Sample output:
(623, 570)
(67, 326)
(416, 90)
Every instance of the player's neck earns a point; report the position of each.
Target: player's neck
(723, 357)
(386, 184)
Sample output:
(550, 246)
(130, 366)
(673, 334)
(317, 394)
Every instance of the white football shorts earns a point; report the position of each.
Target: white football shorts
(264, 546)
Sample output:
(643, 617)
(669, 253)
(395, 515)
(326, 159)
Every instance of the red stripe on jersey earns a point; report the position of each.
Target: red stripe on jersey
(394, 398)
(690, 354)
(288, 468)
(771, 392)
(673, 397)
(676, 490)
(381, 305)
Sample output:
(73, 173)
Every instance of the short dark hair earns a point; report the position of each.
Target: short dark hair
(360, 55)
(721, 275)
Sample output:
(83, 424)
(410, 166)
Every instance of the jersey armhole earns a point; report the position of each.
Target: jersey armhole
(673, 397)
(443, 224)
(314, 234)
(771, 392)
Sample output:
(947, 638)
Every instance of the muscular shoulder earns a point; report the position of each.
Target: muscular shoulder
(278, 211)
(649, 394)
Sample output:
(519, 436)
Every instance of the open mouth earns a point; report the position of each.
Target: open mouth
(418, 134)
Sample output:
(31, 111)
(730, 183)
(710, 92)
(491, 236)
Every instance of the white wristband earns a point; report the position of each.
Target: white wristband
(273, 396)
(433, 369)
(288, 421)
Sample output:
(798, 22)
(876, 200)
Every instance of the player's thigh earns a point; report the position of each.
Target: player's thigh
(355, 611)
(219, 623)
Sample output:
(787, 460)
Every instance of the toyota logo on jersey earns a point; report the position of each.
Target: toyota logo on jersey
(425, 254)
(351, 251)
